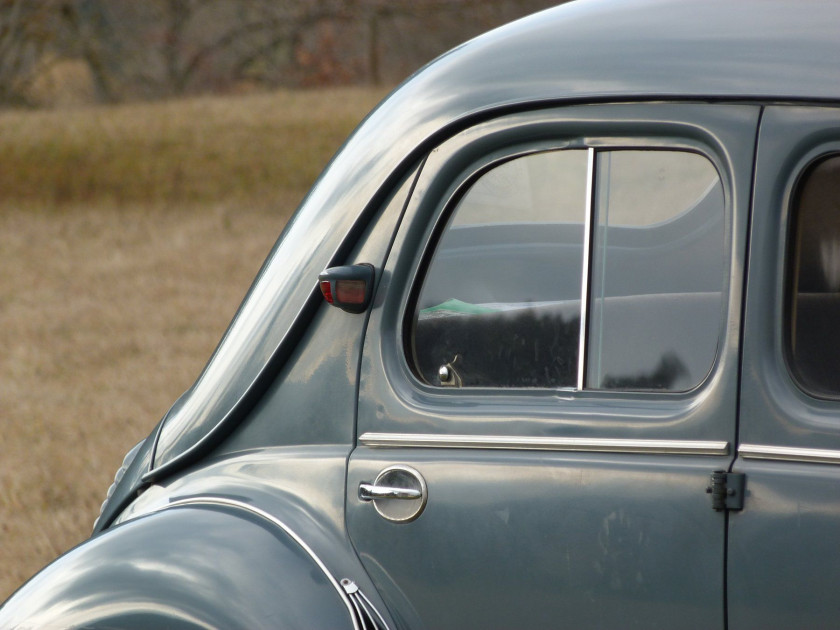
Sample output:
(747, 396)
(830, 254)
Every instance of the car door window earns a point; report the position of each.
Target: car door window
(657, 270)
(501, 302)
(629, 242)
(813, 337)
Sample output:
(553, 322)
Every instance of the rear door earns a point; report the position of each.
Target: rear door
(784, 547)
(550, 373)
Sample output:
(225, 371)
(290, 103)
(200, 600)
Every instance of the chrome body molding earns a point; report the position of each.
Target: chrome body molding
(369, 617)
(595, 445)
(240, 505)
(789, 454)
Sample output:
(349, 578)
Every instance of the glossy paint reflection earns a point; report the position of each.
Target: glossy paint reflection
(784, 549)
(595, 50)
(159, 572)
(300, 486)
(525, 539)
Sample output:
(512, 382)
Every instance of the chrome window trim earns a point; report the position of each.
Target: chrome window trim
(584, 282)
(789, 454)
(232, 503)
(588, 445)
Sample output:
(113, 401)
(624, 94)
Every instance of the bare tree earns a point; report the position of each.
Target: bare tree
(27, 27)
(159, 48)
(404, 34)
(87, 35)
(172, 47)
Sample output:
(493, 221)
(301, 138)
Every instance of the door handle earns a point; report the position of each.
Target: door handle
(370, 492)
(396, 482)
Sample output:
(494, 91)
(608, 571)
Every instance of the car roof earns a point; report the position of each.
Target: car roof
(601, 51)
(756, 49)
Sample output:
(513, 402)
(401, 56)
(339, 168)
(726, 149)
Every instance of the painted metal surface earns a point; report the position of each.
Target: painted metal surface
(301, 487)
(241, 507)
(513, 539)
(297, 408)
(586, 50)
(784, 547)
(775, 410)
(515, 533)
(241, 572)
(783, 560)
(127, 489)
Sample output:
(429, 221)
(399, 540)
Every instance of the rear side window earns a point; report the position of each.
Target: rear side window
(577, 269)
(814, 280)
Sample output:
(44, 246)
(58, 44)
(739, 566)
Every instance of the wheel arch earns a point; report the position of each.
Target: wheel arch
(196, 563)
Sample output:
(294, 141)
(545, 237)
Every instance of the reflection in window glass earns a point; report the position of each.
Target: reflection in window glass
(814, 334)
(541, 188)
(500, 304)
(657, 269)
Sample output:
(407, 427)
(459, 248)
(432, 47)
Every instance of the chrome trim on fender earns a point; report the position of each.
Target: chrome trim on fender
(595, 445)
(368, 615)
(789, 454)
(224, 502)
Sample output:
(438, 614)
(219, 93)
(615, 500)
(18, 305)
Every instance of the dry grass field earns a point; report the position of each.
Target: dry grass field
(128, 236)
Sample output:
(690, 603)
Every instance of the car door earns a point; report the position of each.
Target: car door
(549, 374)
(784, 547)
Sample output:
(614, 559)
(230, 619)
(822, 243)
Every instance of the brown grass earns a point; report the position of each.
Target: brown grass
(128, 237)
(198, 150)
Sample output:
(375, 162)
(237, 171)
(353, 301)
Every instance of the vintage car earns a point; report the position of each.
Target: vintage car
(554, 341)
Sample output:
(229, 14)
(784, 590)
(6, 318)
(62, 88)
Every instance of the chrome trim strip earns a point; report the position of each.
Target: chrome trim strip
(222, 501)
(593, 445)
(584, 282)
(789, 454)
(368, 606)
(367, 611)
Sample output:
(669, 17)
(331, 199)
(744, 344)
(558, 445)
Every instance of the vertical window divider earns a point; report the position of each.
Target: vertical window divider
(584, 284)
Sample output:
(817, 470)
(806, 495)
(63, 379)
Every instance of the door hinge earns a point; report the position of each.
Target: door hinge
(727, 490)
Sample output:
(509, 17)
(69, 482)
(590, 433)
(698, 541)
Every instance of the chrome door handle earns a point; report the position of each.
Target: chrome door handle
(371, 492)
(396, 482)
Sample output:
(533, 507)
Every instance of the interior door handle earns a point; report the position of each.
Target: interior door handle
(371, 492)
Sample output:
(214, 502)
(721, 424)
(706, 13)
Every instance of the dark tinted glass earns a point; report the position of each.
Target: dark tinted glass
(814, 273)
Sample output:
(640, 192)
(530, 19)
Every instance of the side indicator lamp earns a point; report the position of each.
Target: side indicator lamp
(350, 287)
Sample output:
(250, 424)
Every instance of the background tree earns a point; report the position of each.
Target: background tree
(27, 29)
(164, 48)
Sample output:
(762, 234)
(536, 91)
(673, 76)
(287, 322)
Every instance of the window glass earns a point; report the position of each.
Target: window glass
(657, 268)
(814, 302)
(501, 304)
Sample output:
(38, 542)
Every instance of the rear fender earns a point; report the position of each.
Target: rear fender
(195, 564)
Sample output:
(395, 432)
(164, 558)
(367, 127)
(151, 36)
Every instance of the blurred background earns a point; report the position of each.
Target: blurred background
(150, 153)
